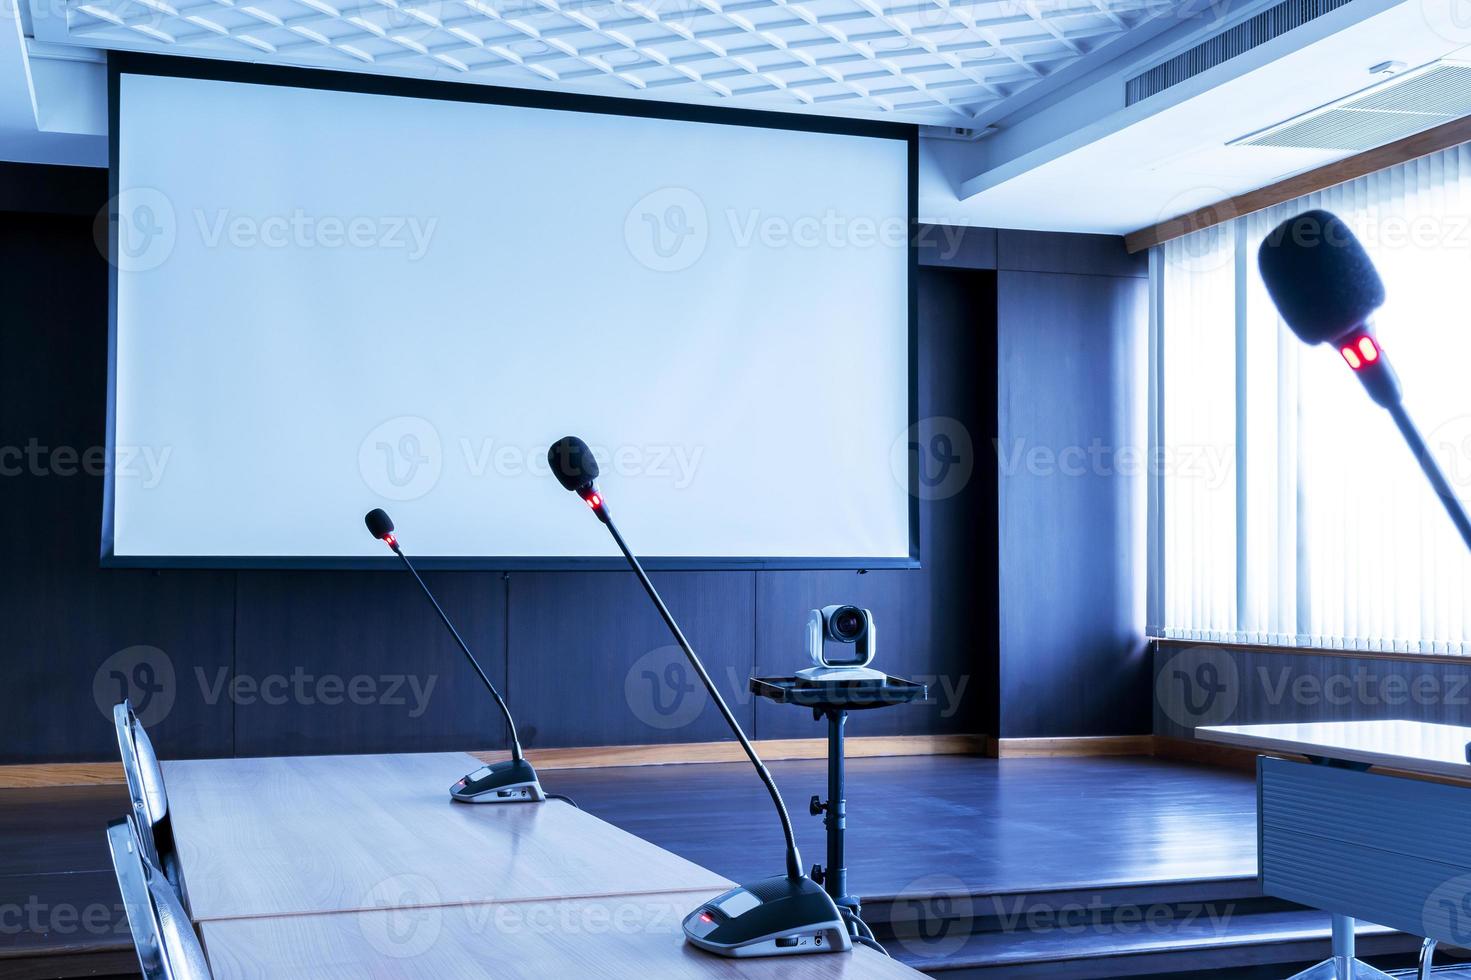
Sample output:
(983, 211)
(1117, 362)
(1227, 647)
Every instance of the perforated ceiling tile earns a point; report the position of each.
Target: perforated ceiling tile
(926, 61)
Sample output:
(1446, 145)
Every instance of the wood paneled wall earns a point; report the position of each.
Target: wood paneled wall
(1025, 637)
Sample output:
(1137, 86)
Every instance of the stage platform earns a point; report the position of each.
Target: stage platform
(969, 867)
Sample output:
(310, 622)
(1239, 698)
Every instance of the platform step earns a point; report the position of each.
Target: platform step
(1222, 929)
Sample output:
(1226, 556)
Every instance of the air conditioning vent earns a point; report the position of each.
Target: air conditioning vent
(1265, 26)
(1400, 107)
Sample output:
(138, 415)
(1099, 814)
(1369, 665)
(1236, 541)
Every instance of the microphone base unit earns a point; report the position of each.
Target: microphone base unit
(779, 916)
(512, 781)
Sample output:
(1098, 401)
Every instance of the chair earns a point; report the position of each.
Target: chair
(163, 937)
(150, 801)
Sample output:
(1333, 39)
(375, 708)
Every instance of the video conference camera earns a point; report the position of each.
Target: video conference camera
(843, 626)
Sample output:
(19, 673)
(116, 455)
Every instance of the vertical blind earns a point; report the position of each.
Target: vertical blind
(1286, 508)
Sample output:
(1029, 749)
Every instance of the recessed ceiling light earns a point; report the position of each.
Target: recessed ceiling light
(531, 46)
(889, 43)
(623, 56)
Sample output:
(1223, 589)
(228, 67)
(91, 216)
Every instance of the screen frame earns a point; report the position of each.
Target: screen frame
(121, 63)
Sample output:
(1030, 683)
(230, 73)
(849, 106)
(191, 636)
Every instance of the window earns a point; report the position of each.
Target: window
(1285, 507)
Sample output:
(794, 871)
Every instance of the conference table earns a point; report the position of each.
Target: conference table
(1366, 820)
(326, 867)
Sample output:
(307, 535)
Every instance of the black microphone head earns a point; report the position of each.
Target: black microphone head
(380, 525)
(573, 463)
(1319, 276)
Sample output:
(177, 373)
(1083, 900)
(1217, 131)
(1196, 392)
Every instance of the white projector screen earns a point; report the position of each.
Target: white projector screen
(329, 300)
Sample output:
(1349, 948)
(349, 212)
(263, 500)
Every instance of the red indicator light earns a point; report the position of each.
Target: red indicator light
(594, 501)
(389, 540)
(1352, 357)
(1367, 348)
(706, 917)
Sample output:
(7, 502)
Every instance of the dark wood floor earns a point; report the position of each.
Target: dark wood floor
(1011, 826)
(57, 890)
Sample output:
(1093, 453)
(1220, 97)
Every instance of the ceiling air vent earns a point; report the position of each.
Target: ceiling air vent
(1407, 104)
(1248, 34)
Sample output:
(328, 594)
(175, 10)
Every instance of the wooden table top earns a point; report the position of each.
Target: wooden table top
(295, 836)
(637, 937)
(1410, 746)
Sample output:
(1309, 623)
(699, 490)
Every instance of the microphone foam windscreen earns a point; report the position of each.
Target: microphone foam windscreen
(572, 462)
(1319, 276)
(379, 523)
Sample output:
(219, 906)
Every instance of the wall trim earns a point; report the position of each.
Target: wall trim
(39, 775)
(1442, 137)
(1052, 748)
(1422, 658)
(770, 750)
(36, 776)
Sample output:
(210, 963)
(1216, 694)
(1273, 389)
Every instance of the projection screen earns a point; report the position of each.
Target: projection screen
(362, 292)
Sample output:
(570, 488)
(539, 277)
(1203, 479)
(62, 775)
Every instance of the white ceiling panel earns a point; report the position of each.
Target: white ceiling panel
(937, 62)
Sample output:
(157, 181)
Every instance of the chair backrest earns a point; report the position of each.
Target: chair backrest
(146, 791)
(140, 766)
(163, 937)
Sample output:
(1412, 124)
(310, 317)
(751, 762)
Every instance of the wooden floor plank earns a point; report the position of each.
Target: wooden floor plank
(994, 826)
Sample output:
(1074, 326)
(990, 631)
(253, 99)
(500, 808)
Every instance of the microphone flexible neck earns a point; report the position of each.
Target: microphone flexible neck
(794, 857)
(510, 722)
(1432, 470)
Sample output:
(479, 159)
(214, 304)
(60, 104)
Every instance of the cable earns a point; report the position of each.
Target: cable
(865, 935)
(565, 799)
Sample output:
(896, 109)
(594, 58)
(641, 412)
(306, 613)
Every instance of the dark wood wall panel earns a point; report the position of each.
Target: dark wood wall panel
(570, 647)
(593, 664)
(77, 636)
(341, 662)
(1201, 684)
(1073, 658)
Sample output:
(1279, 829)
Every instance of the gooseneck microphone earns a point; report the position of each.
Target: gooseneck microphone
(774, 916)
(1326, 288)
(512, 781)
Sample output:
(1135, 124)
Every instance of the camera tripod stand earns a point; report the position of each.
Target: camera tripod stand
(833, 700)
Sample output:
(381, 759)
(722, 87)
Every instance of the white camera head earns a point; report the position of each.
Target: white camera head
(844, 626)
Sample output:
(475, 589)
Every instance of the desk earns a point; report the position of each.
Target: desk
(331, 867)
(337, 833)
(626, 936)
(1384, 847)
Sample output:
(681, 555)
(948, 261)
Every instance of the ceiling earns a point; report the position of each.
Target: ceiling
(937, 62)
(1067, 166)
(1041, 80)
